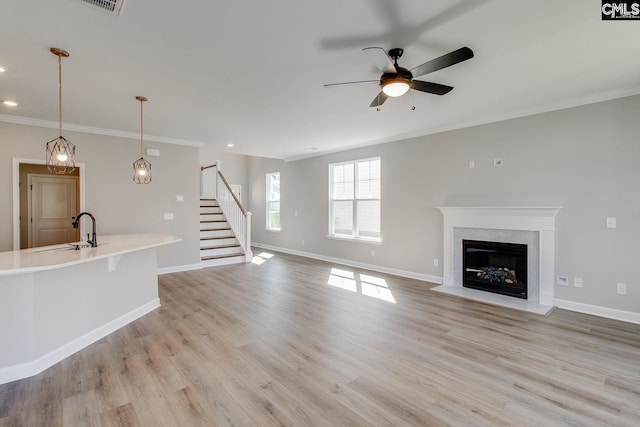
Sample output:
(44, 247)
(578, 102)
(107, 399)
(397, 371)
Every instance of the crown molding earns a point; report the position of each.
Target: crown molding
(97, 131)
(540, 109)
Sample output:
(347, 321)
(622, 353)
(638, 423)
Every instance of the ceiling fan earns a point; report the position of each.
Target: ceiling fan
(396, 80)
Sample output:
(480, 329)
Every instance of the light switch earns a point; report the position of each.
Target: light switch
(179, 198)
(611, 222)
(621, 288)
(168, 216)
(112, 263)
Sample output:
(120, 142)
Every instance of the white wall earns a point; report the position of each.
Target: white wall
(119, 205)
(584, 159)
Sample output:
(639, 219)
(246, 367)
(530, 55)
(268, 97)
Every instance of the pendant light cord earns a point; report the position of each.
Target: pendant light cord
(60, 92)
(141, 127)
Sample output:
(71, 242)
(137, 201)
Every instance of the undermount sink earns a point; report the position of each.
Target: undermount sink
(59, 248)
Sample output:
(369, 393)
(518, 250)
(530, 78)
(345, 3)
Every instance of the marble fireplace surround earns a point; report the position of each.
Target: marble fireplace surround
(533, 226)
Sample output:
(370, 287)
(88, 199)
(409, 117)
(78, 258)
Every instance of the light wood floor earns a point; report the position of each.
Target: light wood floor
(274, 344)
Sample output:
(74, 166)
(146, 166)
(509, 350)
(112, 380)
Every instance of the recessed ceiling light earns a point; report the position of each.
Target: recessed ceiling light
(10, 103)
(230, 145)
(2, 69)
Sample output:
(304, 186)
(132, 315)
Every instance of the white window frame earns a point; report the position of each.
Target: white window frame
(269, 202)
(355, 234)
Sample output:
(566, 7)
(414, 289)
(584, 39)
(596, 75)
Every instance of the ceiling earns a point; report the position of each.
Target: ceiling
(251, 72)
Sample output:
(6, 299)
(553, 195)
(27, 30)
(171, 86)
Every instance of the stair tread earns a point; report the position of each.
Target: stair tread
(206, 258)
(231, 236)
(204, 198)
(213, 220)
(219, 247)
(217, 229)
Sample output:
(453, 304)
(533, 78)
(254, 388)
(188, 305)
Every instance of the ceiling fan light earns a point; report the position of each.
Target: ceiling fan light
(395, 87)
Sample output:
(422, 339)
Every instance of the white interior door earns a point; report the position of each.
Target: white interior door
(52, 204)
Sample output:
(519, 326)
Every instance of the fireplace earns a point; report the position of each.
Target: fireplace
(495, 267)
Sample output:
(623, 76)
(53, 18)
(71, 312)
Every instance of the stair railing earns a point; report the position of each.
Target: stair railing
(237, 216)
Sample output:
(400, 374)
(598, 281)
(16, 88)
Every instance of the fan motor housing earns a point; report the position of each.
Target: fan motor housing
(401, 74)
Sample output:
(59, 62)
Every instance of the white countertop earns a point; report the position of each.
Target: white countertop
(57, 256)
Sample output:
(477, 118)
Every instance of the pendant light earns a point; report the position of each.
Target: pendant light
(141, 167)
(61, 154)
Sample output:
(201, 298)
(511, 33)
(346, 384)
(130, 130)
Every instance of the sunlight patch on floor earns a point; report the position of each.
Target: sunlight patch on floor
(376, 287)
(342, 279)
(261, 258)
(371, 286)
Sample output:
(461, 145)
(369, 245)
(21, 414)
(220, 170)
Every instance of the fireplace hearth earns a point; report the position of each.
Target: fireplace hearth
(495, 267)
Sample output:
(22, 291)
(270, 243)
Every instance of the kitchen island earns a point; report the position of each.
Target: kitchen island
(55, 300)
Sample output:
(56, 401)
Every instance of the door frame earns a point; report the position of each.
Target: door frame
(16, 194)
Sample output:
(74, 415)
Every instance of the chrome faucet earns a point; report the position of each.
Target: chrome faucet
(76, 221)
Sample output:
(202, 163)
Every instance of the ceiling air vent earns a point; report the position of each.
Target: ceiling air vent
(113, 7)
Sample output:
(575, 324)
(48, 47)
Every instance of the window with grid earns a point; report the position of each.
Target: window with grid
(273, 201)
(354, 199)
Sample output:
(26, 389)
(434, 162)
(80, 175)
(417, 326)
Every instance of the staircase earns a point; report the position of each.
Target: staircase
(218, 243)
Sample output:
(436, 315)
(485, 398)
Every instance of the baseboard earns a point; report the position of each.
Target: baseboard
(178, 268)
(364, 266)
(610, 313)
(25, 370)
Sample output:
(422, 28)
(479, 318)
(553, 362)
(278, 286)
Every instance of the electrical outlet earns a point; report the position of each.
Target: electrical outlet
(302, 243)
(621, 289)
(179, 198)
(168, 216)
(373, 252)
(436, 262)
(562, 280)
(472, 164)
(611, 222)
(577, 282)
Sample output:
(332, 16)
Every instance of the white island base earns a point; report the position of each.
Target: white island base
(55, 303)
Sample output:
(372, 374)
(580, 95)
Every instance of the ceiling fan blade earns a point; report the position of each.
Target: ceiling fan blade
(379, 100)
(444, 61)
(434, 88)
(351, 83)
(380, 59)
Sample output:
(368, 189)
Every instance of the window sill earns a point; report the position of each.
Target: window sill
(355, 239)
(273, 230)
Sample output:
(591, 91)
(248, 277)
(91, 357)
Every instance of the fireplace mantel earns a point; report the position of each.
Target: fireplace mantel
(537, 219)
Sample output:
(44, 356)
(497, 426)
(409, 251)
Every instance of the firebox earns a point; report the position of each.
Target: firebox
(495, 267)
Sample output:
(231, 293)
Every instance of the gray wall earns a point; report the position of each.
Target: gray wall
(233, 166)
(585, 159)
(120, 206)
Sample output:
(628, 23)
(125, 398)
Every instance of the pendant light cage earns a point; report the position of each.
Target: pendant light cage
(141, 171)
(141, 167)
(61, 154)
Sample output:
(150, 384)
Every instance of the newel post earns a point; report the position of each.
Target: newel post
(248, 254)
(218, 166)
